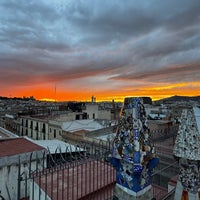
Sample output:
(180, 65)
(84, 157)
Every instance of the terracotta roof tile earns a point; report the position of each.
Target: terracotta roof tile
(9, 147)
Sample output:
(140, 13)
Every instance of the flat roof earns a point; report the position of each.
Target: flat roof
(15, 146)
(57, 146)
(77, 125)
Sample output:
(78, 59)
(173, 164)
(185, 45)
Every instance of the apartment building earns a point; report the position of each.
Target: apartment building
(40, 129)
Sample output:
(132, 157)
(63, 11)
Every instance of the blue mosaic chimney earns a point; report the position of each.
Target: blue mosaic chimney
(133, 153)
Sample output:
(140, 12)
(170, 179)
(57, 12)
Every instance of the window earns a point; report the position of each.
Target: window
(54, 133)
(31, 126)
(37, 128)
(43, 128)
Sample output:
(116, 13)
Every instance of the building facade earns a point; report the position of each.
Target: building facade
(40, 129)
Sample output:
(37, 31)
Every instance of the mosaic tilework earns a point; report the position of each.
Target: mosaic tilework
(187, 150)
(133, 152)
(188, 138)
(189, 175)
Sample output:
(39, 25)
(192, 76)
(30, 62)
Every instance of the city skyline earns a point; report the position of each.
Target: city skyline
(71, 50)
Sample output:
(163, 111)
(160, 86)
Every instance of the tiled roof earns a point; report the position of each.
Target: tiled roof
(9, 147)
(81, 181)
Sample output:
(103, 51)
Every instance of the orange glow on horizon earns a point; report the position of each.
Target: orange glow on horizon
(118, 95)
(46, 99)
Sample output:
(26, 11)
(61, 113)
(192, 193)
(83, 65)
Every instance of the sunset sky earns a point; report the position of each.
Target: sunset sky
(73, 49)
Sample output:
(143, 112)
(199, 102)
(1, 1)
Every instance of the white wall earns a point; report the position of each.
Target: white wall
(92, 111)
(9, 174)
(104, 114)
(8, 180)
(37, 193)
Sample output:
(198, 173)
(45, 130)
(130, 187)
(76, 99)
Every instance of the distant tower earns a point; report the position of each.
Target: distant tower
(55, 93)
(93, 99)
(133, 153)
(187, 151)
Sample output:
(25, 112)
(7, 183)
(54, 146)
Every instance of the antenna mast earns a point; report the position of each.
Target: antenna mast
(55, 92)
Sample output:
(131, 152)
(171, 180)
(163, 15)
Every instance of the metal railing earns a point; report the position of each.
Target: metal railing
(85, 173)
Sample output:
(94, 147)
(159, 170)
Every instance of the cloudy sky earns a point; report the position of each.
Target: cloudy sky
(73, 49)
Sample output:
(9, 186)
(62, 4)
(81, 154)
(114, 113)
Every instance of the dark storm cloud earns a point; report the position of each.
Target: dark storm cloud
(178, 73)
(133, 18)
(65, 40)
(28, 24)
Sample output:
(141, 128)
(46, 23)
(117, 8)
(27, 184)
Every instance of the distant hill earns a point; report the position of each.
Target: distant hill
(180, 98)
